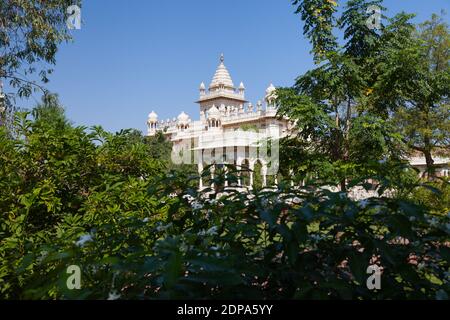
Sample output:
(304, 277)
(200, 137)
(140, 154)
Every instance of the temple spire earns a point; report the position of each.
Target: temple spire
(221, 87)
(222, 78)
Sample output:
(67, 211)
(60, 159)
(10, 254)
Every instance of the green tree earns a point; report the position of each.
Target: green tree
(319, 21)
(160, 147)
(51, 112)
(329, 103)
(284, 244)
(52, 172)
(415, 77)
(30, 32)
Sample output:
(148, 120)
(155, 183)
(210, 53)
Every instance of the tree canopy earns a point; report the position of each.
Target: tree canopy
(30, 32)
(376, 97)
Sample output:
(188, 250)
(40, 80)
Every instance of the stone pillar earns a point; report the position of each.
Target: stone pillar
(226, 176)
(200, 168)
(239, 162)
(251, 167)
(212, 176)
(200, 182)
(264, 175)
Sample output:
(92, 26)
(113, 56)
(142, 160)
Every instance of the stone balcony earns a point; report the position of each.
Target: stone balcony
(227, 118)
(222, 93)
(248, 116)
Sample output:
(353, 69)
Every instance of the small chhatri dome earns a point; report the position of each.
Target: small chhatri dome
(153, 117)
(270, 89)
(222, 77)
(183, 118)
(213, 113)
(270, 94)
(241, 86)
(202, 86)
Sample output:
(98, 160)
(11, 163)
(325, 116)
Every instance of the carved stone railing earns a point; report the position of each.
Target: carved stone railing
(222, 93)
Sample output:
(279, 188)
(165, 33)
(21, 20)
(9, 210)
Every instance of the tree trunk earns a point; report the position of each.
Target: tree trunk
(347, 130)
(343, 184)
(431, 174)
(428, 149)
(345, 142)
(336, 149)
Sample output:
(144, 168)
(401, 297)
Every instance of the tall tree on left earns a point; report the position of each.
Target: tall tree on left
(30, 32)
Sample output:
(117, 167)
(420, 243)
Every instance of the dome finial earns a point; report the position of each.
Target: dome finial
(222, 58)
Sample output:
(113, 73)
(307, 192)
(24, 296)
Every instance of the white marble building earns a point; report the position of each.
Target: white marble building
(222, 134)
(230, 129)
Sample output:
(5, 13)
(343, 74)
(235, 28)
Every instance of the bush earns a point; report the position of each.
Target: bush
(436, 196)
(50, 174)
(137, 231)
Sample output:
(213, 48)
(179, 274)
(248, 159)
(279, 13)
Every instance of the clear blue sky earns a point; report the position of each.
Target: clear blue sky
(135, 56)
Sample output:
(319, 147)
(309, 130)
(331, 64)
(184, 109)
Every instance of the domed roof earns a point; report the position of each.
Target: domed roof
(270, 89)
(183, 118)
(153, 116)
(202, 86)
(222, 77)
(214, 113)
(241, 86)
(270, 93)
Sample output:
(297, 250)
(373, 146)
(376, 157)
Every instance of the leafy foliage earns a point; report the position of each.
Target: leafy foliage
(48, 174)
(421, 85)
(319, 19)
(97, 200)
(30, 32)
(319, 248)
(379, 97)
